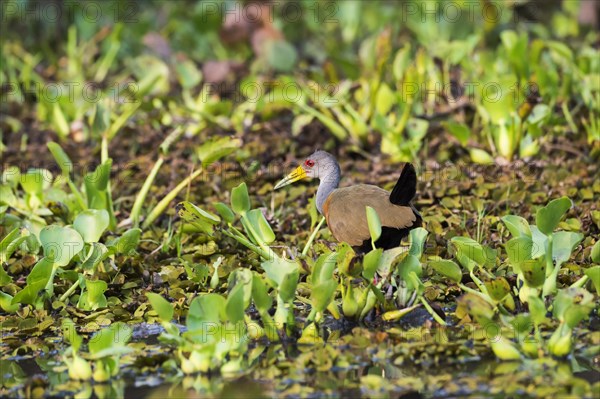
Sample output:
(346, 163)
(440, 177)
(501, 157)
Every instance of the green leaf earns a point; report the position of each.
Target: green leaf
(96, 184)
(110, 341)
(101, 120)
(477, 307)
(387, 259)
(60, 121)
(533, 272)
(206, 310)
(285, 274)
(561, 49)
(93, 297)
(202, 220)
(447, 268)
(521, 324)
(594, 274)
(410, 264)
(161, 306)
(99, 252)
(459, 130)
(344, 259)
(497, 288)
(505, 349)
(216, 148)
(4, 277)
(60, 244)
(324, 267)
(519, 250)
(61, 157)
(374, 223)
(560, 343)
(568, 300)
(7, 196)
(539, 242)
(34, 181)
(417, 241)
(385, 100)
(36, 282)
(6, 303)
(225, 212)
(127, 242)
(11, 242)
(91, 223)
(370, 263)
(276, 269)
(480, 156)
(258, 221)
(103, 174)
(214, 280)
(70, 334)
(517, 225)
(280, 55)
(471, 249)
(577, 313)
(109, 353)
(234, 306)
(240, 201)
(537, 308)
(563, 243)
(595, 253)
(188, 74)
(299, 122)
(322, 294)
(287, 288)
(10, 176)
(260, 294)
(548, 217)
(401, 62)
(539, 113)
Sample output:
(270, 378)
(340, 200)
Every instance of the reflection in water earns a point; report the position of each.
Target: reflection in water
(205, 387)
(360, 364)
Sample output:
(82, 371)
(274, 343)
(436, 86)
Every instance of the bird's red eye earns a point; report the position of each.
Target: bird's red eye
(310, 163)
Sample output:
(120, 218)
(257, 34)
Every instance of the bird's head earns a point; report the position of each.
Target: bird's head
(319, 164)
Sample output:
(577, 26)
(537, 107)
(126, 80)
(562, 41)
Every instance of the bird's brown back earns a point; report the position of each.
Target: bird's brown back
(345, 211)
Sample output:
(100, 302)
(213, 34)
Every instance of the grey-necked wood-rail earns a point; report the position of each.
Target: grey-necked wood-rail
(345, 208)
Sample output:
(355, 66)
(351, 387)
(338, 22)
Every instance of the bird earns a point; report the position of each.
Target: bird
(345, 208)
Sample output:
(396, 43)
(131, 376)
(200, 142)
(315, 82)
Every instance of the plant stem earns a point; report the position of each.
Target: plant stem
(479, 283)
(69, 292)
(248, 226)
(551, 270)
(121, 119)
(399, 128)
(311, 316)
(109, 201)
(312, 237)
(242, 240)
(432, 312)
(77, 194)
(141, 197)
(412, 298)
(162, 205)
(580, 283)
(50, 284)
(475, 292)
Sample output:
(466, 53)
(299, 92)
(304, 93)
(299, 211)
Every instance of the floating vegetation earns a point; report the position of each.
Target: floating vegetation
(144, 251)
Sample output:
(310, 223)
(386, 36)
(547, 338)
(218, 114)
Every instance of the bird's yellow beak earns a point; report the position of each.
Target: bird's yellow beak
(298, 174)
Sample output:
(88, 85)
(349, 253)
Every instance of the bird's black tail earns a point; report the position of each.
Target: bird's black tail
(406, 187)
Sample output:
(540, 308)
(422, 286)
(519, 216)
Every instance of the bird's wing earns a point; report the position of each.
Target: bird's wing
(345, 210)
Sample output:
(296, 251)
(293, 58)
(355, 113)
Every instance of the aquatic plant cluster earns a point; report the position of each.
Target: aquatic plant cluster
(142, 243)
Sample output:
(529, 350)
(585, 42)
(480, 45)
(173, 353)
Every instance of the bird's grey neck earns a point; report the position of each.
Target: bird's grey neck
(328, 183)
